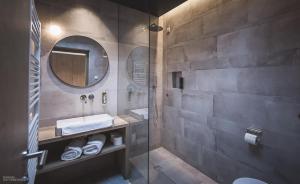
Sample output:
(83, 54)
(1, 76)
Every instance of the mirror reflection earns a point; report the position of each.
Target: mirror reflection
(138, 65)
(79, 61)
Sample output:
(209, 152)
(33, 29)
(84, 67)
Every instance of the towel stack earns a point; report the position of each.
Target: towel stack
(79, 146)
(94, 144)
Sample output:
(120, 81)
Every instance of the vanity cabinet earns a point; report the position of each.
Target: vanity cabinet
(112, 158)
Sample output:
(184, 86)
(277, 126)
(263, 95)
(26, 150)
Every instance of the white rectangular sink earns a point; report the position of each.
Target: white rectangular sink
(140, 113)
(83, 124)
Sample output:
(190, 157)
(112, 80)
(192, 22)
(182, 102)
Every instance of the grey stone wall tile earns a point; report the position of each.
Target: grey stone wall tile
(226, 17)
(224, 125)
(173, 98)
(253, 41)
(286, 57)
(200, 135)
(217, 166)
(186, 150)
(245, 109)
(279, 116)
(176, 55)
(199, 103)
(251, 72)
(217, 80)
(190, 82)
(203, 6)
(168, 140)
(284, 33)
(189, 31)
(172, 121)
(235, 148)
(286, 165)
(283, 117)
(262, 9)
(178, 67)
(201, 119)
(207, 64)
(273, 81)
(201, 49)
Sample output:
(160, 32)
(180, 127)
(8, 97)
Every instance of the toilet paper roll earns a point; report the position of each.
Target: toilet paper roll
(251, 139)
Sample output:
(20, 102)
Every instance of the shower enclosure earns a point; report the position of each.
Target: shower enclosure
(136, 53)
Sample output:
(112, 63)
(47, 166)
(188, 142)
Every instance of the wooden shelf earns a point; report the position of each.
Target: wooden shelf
(60, 164)
(47, 134)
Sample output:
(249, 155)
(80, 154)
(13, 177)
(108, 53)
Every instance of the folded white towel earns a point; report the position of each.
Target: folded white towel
(94, 144)
(73, 150)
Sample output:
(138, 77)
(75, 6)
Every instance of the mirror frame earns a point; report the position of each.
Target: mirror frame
(69, 85)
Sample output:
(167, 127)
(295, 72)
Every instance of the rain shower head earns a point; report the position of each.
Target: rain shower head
(155, 28)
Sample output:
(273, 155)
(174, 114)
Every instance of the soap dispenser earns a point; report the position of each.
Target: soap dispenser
(104, 98)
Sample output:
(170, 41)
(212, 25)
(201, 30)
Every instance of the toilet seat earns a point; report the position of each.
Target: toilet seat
(248, 181)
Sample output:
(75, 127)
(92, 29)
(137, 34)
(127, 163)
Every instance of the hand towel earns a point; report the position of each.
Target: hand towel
(73, 150)
(94, 144)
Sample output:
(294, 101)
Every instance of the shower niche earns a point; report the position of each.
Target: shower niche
(177, 80)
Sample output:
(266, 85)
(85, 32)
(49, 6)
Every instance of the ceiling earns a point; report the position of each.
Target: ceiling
(156, 7)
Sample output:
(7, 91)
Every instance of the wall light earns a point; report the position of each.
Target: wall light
(54, 30)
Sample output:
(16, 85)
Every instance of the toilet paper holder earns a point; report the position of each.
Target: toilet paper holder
(257, 133)
(254, 131)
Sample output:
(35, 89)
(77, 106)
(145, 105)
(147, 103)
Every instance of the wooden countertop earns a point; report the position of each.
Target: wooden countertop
(47, 134)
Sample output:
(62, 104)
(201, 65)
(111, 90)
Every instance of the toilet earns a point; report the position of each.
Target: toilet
(248, 181)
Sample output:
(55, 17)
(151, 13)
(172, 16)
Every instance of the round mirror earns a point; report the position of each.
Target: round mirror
(138, 65)
(79, 61)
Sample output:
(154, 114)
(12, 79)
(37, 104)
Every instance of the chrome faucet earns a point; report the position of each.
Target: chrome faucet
(91, 97)
(83, 98)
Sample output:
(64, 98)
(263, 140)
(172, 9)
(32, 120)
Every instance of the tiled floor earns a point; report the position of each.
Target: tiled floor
(164, 168)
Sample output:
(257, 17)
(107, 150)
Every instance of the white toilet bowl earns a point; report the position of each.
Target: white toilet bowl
(248, 181)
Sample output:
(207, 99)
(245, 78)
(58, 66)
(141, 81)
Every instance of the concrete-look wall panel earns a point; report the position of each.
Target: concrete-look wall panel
(284, 33)
(224, 18)
(249, 41)
(259, 10)
(273, 81)
(58, 100)
(240, 64)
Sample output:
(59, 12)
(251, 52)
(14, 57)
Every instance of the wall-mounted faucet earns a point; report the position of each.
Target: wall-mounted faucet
(91, 97)
(83, 98)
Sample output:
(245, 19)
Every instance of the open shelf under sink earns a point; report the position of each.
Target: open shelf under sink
(108, 148)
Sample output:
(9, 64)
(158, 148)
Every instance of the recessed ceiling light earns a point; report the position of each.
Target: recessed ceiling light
(54, 30)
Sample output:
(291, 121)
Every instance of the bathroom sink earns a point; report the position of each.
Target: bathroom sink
(83, 124)
(139, 113)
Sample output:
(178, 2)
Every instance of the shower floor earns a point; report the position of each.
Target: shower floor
(166, 168)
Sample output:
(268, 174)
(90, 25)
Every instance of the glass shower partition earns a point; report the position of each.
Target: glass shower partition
(133, 87)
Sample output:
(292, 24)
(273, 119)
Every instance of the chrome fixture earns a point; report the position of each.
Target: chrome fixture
(104, 97)
(83, 98)
(91, 97)
(42, 155)
(155, 28)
